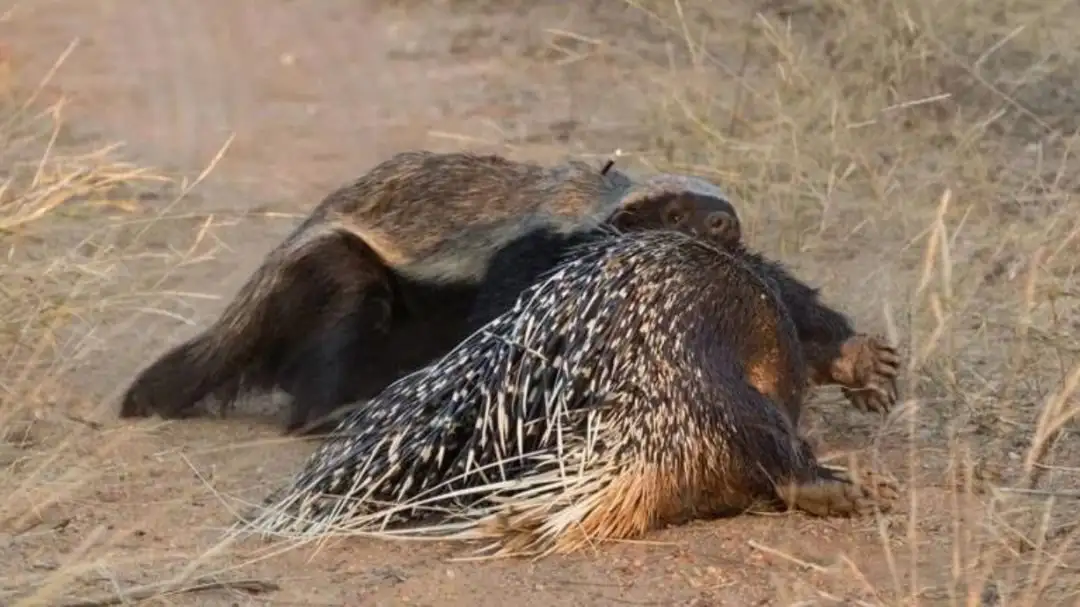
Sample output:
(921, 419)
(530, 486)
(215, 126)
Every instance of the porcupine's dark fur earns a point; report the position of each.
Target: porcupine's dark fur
(393, 270)
(650, 379)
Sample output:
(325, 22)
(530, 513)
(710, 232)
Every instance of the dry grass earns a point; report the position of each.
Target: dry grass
(921, 149)
(67, 232)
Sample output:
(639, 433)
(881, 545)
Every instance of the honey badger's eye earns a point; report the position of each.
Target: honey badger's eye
(674, 215)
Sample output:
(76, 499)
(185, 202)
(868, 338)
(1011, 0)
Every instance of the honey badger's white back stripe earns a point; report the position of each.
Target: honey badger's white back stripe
(468, 250)
(465, 251)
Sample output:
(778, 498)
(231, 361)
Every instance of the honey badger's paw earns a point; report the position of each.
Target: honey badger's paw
(869, 369)
(837, 493)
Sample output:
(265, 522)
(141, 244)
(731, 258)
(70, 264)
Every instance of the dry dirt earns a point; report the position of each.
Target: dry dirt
(309, 95)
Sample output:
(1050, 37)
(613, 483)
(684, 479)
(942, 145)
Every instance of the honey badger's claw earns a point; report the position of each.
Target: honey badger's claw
(836, 494)
(875, 366)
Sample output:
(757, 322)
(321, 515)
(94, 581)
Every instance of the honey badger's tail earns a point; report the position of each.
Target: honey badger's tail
(308, 286)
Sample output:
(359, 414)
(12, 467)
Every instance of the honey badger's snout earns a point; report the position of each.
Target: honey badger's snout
(723, 227)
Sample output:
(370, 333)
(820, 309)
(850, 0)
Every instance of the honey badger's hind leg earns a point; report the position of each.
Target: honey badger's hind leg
(400, 326)
(307, 286)
(332, 365)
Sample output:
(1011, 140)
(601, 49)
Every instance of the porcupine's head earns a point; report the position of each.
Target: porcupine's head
(683, 204)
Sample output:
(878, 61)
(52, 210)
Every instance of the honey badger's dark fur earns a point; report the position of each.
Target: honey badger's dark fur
(864, 366)
(386, 274)
(649, 379)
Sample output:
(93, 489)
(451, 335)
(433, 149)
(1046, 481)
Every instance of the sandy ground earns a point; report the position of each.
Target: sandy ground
(312, 95)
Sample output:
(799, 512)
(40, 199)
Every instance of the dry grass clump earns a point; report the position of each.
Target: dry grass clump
(65, 236)
(45, 290)
(920, 153)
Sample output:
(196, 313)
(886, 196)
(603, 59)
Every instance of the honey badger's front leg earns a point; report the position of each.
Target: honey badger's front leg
(864, 366)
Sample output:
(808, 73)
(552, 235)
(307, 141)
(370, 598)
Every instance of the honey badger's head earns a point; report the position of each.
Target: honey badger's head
(682, 203)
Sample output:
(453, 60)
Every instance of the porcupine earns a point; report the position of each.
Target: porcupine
(394, 269)
(649, 379)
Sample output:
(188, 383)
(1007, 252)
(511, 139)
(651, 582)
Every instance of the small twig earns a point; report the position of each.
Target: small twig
(611, 161)
(93, 425)
(140, 593)
(1041, 492)
(740, 77)
(787, 557)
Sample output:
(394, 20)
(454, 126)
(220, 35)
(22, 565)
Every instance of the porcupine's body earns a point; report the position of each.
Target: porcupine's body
(650, 379)
(393, 270)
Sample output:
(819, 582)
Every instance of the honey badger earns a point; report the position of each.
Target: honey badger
(391, 271)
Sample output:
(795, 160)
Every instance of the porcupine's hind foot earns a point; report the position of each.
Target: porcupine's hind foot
(835, 492)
